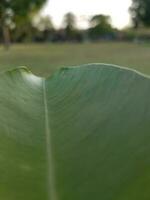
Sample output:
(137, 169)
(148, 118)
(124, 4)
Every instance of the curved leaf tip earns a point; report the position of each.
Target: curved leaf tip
(91, 66)
(20, 69)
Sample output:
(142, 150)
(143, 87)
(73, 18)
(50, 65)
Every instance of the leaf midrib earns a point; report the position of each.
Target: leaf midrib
(52, 194)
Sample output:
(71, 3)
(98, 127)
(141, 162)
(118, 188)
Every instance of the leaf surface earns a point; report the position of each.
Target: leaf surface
(81, 134)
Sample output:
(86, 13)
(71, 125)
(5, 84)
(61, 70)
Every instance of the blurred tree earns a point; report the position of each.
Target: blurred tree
(140, 13)
(45, 28)
(100, 25)
(70, 25)
(24, 32)
(44, 23)
(13, 12)
(70, 20)
(6, 14)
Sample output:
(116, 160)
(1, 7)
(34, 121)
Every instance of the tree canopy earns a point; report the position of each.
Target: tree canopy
(70, 21)
(21, 7)
(70, 25)
(100, 26)
(140, 13)
(14, 12)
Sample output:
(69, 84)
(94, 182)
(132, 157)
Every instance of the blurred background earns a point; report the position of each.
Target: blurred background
(45, 35)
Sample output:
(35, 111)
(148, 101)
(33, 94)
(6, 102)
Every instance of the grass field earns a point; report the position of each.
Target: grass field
(44, 59)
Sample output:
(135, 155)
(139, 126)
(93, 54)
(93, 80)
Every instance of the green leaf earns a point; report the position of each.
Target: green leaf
(82, 134)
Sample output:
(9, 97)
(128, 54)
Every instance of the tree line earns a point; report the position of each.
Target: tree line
(42, 29)
(18, 24)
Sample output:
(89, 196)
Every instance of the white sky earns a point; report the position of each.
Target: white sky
(117, 9)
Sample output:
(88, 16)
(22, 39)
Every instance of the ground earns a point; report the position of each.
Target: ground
(44, 59)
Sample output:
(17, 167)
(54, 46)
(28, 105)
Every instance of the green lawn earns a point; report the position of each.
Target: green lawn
(44, 59)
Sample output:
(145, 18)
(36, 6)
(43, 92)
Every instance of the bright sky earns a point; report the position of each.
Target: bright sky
(117, 9)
